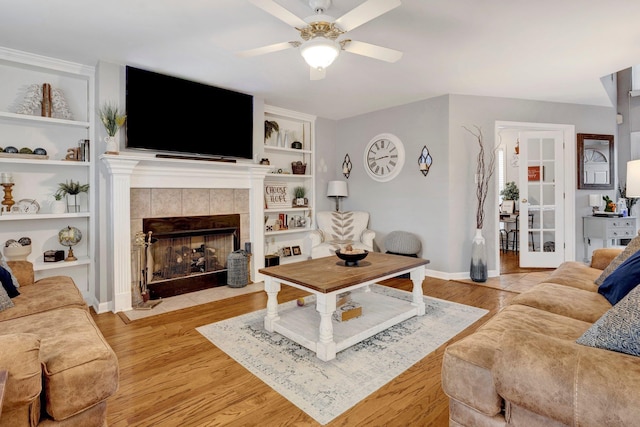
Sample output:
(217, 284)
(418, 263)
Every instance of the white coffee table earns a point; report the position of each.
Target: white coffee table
(326, 278)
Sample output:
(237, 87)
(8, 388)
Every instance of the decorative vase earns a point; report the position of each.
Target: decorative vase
(112, 145)
(58, 207)
(478, 270)
(72, 203)
(279, 142)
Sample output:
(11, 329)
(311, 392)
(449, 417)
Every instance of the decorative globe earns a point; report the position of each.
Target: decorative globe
(69, 236)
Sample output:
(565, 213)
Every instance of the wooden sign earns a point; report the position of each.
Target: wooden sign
(276, 195)
(535, 173)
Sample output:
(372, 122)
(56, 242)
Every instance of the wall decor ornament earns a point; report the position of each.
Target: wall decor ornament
(56, 107)
(384, 157)
(346, 166)
(424, 161)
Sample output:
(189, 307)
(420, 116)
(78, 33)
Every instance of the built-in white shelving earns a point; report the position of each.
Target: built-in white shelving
(37, 178)
(299, 127)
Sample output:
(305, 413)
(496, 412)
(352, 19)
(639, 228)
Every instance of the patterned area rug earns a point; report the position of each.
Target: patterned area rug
(324, 390)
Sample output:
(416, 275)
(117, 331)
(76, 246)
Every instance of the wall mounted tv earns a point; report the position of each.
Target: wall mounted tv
(173, 115)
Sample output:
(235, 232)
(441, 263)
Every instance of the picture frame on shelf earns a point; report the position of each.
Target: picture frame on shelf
(507, 206)
(296, 250)
(276, 195)
(286, 251)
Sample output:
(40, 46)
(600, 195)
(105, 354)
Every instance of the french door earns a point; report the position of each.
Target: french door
(542, 204)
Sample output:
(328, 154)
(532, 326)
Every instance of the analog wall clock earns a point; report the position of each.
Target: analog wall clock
(384, 157)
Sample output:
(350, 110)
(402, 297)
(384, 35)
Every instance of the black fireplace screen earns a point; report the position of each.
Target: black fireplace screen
(186, 246)
(182, 256)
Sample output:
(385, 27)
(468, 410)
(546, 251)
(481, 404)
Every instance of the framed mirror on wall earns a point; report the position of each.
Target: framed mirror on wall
(595, 161)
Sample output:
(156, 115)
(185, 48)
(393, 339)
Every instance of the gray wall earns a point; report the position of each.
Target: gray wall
(440, 208)
(410, 202)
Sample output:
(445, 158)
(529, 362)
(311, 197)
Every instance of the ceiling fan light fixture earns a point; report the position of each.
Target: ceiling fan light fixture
(320, 52)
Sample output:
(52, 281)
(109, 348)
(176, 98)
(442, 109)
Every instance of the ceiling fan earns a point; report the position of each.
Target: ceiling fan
(319, 33)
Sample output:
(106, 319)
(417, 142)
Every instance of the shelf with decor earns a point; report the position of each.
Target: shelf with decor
(268, 148)
(40, 265)
(47, 111)
(44, 216)
(290, 151)
(7, 116)
(44, 162)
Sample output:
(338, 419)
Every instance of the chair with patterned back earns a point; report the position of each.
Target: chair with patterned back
(339, 229)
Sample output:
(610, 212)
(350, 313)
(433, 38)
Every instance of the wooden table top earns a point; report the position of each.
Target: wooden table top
(329, 274)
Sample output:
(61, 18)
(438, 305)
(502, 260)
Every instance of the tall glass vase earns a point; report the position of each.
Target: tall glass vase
(478, 270)
(72, 203)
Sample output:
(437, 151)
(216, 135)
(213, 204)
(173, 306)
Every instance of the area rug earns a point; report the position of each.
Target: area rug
(324, 390)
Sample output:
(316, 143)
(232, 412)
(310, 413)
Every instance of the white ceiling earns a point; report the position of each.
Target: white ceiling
(554, 50)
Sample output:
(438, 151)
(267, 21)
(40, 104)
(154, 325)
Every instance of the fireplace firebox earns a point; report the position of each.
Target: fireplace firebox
(190, 253)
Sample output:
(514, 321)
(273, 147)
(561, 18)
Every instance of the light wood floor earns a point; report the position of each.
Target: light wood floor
(170, 375)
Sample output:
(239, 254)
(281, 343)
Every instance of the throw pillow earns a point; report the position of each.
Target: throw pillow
(632, 248)
(619, 328)
(7, 283)
(3, 264)
(5, 301)
(622, 280)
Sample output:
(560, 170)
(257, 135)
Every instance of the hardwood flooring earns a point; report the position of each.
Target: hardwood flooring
(170, 375)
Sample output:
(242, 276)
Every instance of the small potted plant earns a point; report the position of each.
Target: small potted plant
(58, 205)
(511, 192)
(270, 126)
(112, 120)
(299, 193)
(71, 190)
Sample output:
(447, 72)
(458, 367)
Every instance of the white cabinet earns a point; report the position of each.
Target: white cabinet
(286, 222)
(609, 230)
(36, 178)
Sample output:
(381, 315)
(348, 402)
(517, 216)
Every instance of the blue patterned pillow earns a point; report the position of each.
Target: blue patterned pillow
(3, 264)
(5, 301)
(7, 283)
(622, 280)
(619, 328)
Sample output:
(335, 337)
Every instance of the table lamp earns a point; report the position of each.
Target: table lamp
(633, 178)
(594, 202)
(337, 189)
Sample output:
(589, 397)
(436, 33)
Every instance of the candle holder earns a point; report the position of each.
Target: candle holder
(8, 197)
(346, 166)
(424, 161)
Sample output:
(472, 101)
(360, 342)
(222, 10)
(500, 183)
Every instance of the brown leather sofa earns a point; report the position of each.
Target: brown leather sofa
(524, 368)
(61, 370)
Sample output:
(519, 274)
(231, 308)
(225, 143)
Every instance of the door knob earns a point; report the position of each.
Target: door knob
(524, 200)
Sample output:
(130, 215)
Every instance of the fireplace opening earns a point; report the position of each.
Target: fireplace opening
(189, 254)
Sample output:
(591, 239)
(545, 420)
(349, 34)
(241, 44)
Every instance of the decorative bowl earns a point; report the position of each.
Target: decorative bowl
(351, 260)
(17, 253)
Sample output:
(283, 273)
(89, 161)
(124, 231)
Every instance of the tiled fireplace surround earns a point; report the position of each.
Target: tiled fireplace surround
(139, 187)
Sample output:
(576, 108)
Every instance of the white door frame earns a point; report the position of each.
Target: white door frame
(569, 134)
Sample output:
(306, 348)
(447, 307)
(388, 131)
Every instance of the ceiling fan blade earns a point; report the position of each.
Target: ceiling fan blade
(316, 74)
(373, 51)
(279, 12)
(364, 13)
(264, 49)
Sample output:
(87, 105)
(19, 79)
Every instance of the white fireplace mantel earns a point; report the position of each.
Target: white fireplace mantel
(124, 172)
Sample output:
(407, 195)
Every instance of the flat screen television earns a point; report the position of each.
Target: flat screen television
(173, 115)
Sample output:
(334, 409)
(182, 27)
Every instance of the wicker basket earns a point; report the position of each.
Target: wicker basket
(298, 168)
